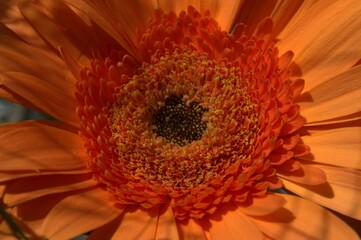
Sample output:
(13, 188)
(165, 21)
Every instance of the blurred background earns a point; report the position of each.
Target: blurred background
(10, 112)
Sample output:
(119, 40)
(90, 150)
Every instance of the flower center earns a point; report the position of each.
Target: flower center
(206, 118)
(178, 122)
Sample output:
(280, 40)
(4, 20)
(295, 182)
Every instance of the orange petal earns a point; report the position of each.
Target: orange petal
(24, 78)
(5, 231)
(264, 205)
(191, 230)
(55, 22)
(337, 97)
(33, 213)
(321, 44)
(234, 224)
(167, 226)
(137, 223)
(53, 29)
(224, 14)
(342, 192)
(280, 11)
(338, 147)
(78, 214)
(120, 20)
(71, 63)
(306, 174)
(27, 189)
(14, 49)
(59, 104)
(14, 20)
(41, 145)
(283, 12)
(301, 219)
(106, 232)
(12, 175)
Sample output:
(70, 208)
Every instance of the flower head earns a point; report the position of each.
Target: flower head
(178, 121)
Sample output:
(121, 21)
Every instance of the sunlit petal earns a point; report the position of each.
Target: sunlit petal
(79, 213)
(302, 219)
(335, 98)
(324, 53)
(341, 192)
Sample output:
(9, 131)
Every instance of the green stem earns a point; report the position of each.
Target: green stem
(14, 227)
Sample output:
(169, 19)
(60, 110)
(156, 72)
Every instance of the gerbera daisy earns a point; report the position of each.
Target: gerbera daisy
(182, 119)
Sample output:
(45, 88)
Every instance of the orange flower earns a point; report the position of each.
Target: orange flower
(179, 119)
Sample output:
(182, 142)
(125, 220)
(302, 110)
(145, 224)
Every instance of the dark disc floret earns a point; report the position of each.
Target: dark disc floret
(180, 123)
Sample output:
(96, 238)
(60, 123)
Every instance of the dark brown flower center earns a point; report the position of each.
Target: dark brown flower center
(178, 122)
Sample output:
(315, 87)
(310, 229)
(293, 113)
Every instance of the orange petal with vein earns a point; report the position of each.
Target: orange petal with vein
(137, 223)
(224, 14)
(41, 145)
(301, 219)
(337, 97)
(167, 226)
(341, 192)
(49, 19)
(59, 104)
(106, 232)
(78, 214)
(234, 225)
(12, 175)
(320, 61)
(119, 20)
(264, 205)
(191, 230)
(338, 147)
(27, 189)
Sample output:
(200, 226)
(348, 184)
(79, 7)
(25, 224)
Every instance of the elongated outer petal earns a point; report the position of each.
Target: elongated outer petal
(26, 189)
(118, 19)
(284, 11)
(191, 230)
(301, 219)
(137, 224)
(342, 192)
(338, 147)
(34, 90)
(167, 226)
(14, 20)
(324, 46)
(41, 145)
(233, 224)
(78, 214)
(32, 213)
(106, 232)
(12, 175)
(335, 98)
(30, 74)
